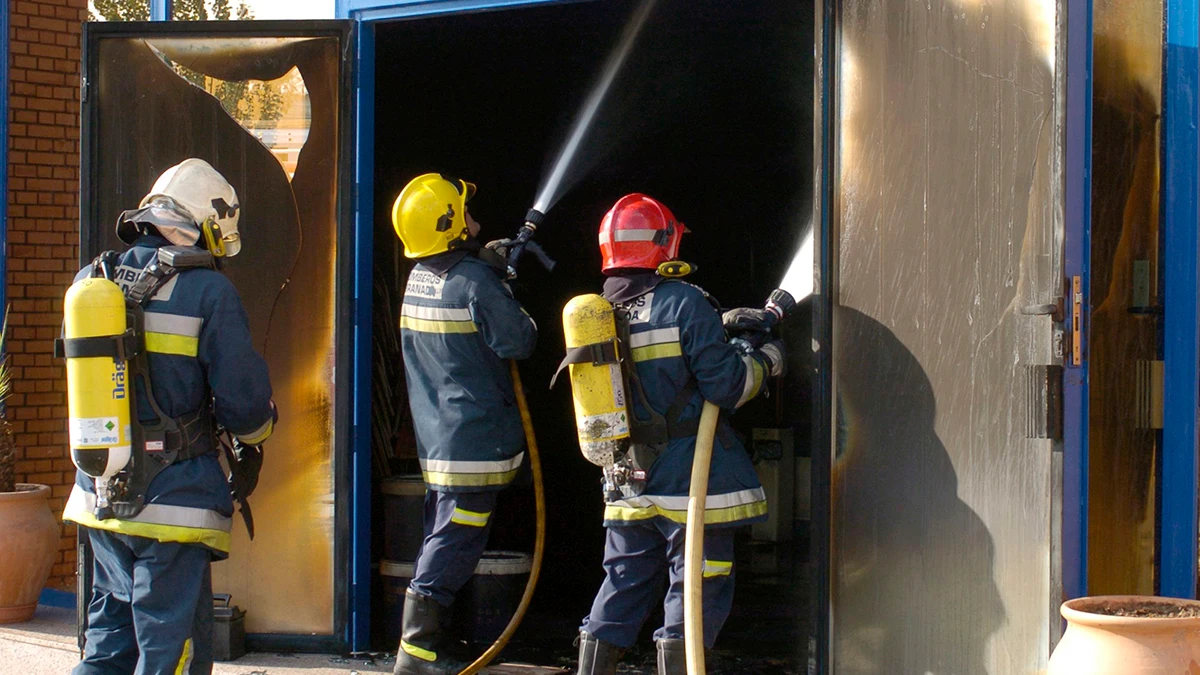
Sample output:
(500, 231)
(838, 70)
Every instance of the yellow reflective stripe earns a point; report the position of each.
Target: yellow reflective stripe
(472, 518)
(469, 479)
(433, 326)
(717, 568)
(185, 659)
(755, 375)
(211, 529)
(166, 343)
(413, 650)
(259, 435)
(659, 351)
(623, 511)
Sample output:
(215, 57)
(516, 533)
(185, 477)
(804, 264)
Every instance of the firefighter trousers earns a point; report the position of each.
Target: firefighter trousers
(456, 532)
(150, 610)
(636, 557)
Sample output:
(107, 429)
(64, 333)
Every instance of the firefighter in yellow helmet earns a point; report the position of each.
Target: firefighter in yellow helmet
(459, 324)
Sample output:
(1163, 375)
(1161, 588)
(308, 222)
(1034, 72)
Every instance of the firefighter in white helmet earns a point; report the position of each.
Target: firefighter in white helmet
(155, 532)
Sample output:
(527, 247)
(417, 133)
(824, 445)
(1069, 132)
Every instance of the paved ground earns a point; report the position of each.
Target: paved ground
(46, 646)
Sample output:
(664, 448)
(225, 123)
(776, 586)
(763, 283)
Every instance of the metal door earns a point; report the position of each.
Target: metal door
(942, 272)
(269, 105)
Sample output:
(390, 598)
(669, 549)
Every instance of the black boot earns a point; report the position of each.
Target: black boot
(421, 638)
(672, 659)
(597, 657)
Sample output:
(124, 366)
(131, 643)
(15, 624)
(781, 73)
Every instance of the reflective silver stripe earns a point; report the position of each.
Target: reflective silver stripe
(173, 324)
(680, 503)
(258, 435)
(435, 313)
(717, 568)
(448, 466)
(754, 378)
(652, 337)
(471, 518)
(158, 514)
(635, 235)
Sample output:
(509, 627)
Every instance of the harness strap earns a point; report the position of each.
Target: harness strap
(120, 347)
(597, 354)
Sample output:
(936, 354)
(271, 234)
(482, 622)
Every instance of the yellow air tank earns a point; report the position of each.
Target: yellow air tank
(98, 391)
(597, 385)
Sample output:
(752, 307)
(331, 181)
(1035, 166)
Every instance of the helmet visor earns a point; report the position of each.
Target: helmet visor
(173, 223)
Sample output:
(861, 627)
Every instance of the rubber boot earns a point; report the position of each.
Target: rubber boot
(597, 657)
(421, 637)
(672, 660)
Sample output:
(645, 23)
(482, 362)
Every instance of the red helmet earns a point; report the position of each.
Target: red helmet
(639, 232)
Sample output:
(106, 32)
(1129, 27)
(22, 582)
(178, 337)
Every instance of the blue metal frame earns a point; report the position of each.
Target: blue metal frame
(359, 626)
(1181, 333)
(1077, 262)
(4, 39)
(160, 10)
(387, 10)
(367, 13)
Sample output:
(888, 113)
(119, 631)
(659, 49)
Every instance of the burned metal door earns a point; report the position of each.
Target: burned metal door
(267, 104)
(945, 212)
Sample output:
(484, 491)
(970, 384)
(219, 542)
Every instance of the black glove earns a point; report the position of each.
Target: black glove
(248, 461)
(747, 320)
(776, 356)
(499, 246)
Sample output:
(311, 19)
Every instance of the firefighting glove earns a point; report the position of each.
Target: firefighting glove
(776, 357)
(248, 461)
(746, 320)
(499, 246)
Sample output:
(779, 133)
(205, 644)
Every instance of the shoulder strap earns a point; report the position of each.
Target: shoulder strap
(105, 265)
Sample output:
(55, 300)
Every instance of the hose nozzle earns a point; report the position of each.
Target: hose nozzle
(523, 242)
(779, 303)
(535, 218)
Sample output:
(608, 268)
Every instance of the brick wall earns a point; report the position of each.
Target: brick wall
(43, 237)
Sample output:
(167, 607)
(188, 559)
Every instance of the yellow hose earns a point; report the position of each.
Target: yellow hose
(693, 548)
(539, 545)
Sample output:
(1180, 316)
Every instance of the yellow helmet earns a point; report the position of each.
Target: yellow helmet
(430, 214)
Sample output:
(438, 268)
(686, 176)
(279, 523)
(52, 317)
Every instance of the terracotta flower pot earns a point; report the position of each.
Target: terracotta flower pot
(28, 546)
(1128, 635)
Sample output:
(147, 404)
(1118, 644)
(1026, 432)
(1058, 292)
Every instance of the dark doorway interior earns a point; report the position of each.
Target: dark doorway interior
(712, 115)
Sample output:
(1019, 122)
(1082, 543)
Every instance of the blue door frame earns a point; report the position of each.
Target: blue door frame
(1178, 482)
(368, 13)
(1181, 218)
(1077, 210)
(1181, 334)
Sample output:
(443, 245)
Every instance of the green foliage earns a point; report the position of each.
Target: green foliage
(8, 445)
(258, 104)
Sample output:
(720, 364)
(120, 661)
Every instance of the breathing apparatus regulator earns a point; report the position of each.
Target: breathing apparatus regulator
(104, 344)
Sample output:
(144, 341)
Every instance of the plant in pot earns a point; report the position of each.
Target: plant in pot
(28, 529)
(1128, 635)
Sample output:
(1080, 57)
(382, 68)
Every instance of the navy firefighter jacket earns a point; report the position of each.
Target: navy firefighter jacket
(199, 346)
(458, 329)
(676, 338)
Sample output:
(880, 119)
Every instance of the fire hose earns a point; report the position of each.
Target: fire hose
(539, 545)
(778, 305)
(516, 247)
(693, 547)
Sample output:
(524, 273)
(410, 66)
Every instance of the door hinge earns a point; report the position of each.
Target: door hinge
(1148, 407)
(83, 90)
(1044, 402)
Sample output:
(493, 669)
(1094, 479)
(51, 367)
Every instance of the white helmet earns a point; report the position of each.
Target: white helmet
(205, 194)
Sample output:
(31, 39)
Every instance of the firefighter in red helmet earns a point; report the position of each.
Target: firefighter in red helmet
(681, 358)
